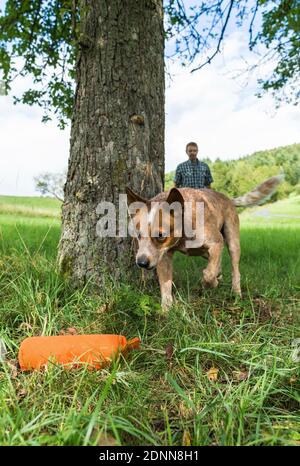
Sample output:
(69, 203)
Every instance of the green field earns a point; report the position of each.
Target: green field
(162, 394)
(40, 207)
(285, 212)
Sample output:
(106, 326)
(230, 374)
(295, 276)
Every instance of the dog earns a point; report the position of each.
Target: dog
(161, 236)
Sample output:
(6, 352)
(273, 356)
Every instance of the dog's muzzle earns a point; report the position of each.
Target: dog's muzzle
(143, 262)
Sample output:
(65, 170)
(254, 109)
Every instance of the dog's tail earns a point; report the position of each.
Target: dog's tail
(260, 194)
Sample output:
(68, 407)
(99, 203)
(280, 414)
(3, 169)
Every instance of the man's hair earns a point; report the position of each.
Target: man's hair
(191, 144)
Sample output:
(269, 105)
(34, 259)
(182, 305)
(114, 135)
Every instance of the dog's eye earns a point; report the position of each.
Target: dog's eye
(161, 236)
(133, 230)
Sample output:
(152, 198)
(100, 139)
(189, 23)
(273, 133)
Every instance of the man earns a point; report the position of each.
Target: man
(193, 173)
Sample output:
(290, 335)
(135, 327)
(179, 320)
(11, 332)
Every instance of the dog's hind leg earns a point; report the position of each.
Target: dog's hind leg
(165, 277)
(213, 269)
(232, 236)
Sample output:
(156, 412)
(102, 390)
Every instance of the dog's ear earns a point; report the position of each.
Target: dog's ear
(177, 213)
(175, 196)
(133, 197)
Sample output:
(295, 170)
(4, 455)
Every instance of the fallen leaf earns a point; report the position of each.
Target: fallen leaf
(212, 374)
(240, 375)
(22, 393)
(103, 308)
(293, 379)
(169, 351)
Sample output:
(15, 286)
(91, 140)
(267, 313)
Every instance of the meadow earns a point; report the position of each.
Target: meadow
(216, 371)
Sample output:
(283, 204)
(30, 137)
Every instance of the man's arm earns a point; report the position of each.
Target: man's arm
(178, 178)
(208, 178)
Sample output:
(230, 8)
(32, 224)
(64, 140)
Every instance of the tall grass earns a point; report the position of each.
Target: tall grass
(162, 394)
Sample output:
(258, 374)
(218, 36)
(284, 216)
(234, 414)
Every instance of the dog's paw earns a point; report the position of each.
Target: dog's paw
(237, 292)
(212, 284)
(209, 281)
(166, 303)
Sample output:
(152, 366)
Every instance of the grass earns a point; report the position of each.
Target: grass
(162, 394)
(285, 212)
(36, 207)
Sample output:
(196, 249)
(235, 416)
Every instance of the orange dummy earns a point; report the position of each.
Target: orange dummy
(73, 350)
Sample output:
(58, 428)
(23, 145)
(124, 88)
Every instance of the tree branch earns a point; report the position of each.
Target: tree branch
(251, 44)
(209, 59)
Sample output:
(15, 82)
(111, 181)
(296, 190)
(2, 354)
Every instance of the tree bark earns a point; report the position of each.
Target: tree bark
(117, 133)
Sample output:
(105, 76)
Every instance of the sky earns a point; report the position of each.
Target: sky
(221, 113)
(209, 107)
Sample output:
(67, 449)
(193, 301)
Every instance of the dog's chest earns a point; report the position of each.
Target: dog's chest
(191, 251)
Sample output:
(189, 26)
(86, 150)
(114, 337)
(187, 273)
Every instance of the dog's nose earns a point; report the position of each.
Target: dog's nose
(143, 262)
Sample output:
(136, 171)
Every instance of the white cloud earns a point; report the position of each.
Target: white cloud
(28, 147)
(208, 107)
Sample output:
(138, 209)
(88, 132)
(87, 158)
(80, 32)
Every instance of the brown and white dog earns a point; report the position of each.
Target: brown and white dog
(220, 224)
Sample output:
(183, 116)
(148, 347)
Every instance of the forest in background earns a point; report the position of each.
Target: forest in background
(235, 177)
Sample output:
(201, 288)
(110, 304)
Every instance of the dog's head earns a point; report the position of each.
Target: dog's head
(156, 225)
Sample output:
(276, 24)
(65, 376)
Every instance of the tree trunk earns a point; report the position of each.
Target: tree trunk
(117, 134)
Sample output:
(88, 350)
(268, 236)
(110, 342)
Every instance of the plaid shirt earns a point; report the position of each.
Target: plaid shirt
(193, 175)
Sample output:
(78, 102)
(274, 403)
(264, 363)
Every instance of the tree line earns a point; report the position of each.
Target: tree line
(235, 177)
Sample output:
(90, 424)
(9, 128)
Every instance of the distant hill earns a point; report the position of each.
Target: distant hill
(235, 177)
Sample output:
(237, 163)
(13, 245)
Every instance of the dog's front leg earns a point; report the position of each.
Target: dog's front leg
(165, 278)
